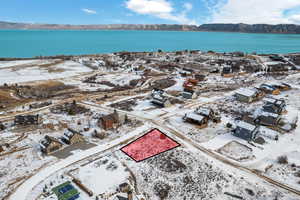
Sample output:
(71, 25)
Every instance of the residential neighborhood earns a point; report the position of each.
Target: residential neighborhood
(151, 126)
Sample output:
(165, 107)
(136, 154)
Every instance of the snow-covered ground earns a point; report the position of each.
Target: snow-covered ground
(106, 168)
(35, 73)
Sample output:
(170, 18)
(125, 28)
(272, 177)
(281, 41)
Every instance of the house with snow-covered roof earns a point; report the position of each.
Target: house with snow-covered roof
(197, 119)
(273, 105)
(72, 137)
(269, 89)
(247, 95)
(50, 144)
(269, 119)
(209, 113)
(246, 131)
(159, 99)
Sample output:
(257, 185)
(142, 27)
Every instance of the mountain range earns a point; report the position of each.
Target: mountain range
(245, 28)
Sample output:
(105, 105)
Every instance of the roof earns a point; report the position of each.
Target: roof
(245, 125)
(267, 114)
(246, 92)
(121, 197)
(274, 101)
(203, 111)
(194, 116)
(113, 117)
(267, 86)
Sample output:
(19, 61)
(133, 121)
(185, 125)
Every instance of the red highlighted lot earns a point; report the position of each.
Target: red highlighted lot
(149, 145)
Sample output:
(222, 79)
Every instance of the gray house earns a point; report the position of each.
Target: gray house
(272, 105)
(159, 99)
(209, 113)
(246, 131)
(269, 119)
(197, 119)
(246, 95)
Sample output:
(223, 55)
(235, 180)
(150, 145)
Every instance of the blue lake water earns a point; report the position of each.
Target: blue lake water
(30, 43)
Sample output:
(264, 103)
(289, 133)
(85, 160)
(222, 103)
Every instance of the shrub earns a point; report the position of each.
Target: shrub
(282, 160)
(297, 174)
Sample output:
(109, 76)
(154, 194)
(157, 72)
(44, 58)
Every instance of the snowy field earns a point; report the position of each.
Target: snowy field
(186, 174)
(36, 73)
(106, 168)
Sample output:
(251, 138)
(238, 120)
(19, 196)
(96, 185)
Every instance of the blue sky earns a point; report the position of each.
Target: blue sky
(150, 11)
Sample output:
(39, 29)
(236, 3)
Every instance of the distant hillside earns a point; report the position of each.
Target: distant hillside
(246, 28)
(255, 28)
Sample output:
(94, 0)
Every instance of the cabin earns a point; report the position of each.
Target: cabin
(247, 95)
(209, 113)
(109, 121)
(269, 89)
(246, 131)
(268, 119)
(72, 137)
(50, 144)
(159, 99)
(272, 105)
(194, 118)
(26, 120)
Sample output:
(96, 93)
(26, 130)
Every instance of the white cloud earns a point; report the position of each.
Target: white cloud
(89, 11)
(188, 6)
(252, 11)
(162, 9)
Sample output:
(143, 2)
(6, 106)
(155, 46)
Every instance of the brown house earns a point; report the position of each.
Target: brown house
(50, 144)
(110, 121)
(196, 119)
(72, 137)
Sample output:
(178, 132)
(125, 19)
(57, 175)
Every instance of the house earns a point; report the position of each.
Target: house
(72, 137)
(124, 196)
(227, 71)
(209, 113)
(50, 144)
(190, 84)
(159, 99)
(194, 118)
(268, 119)
(282, 86)
(26, 120)
(246, 131)
(124, 187)
(111, 121)
(276, 58)
(273, 105)
(189, 95)
(247, 95)
(269, 89)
